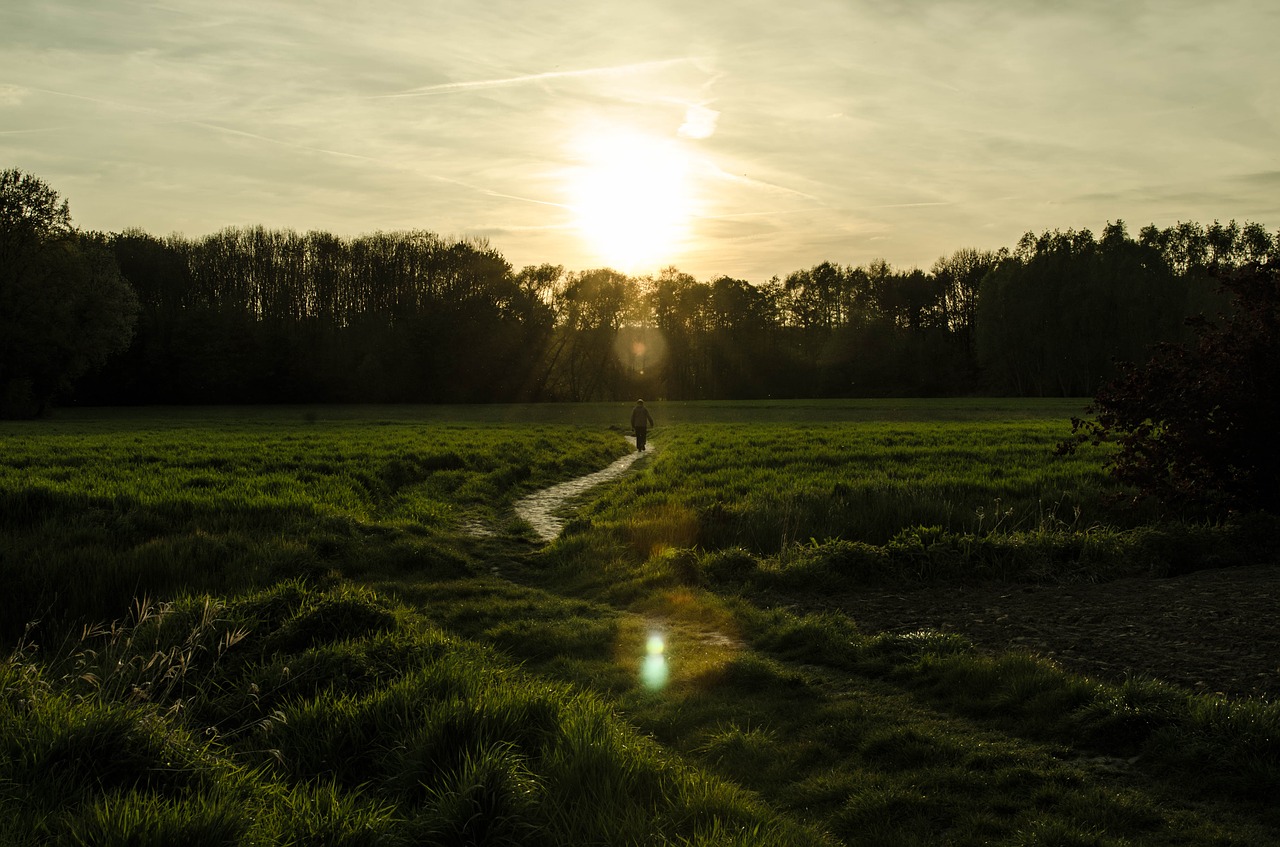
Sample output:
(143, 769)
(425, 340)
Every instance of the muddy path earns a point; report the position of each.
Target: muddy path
(546, 510)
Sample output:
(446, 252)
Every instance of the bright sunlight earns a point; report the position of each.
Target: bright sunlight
(632, 198)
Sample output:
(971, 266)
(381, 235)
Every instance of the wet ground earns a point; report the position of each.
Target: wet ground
(545, 510)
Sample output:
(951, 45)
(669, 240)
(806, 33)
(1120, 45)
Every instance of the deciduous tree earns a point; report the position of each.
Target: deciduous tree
(64, 308)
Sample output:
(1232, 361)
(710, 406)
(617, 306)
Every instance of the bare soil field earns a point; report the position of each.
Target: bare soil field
(1210, 631)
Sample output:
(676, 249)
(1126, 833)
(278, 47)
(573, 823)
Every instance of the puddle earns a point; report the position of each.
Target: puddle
(541, 509)
(477, 529)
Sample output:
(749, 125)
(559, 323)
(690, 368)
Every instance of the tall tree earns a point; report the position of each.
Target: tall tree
(597, 304)
(673, 304)
(743, 355)
(1058, 313)
(64, 308)
(960, 280)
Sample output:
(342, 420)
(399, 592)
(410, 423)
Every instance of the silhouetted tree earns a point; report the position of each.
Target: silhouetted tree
(673, 301)
(960, 278)
(64, 307)
(255, 315)
(1056, 314)
(743, 356)
(597, 304)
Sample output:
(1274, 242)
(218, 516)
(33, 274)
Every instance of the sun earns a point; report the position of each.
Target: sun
(631, 198)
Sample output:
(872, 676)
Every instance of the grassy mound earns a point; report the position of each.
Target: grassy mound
(293, 715)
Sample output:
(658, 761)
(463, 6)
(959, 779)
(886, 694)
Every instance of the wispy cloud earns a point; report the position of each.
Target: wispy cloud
(526, 79)
(928, 125)
(100, 101)
(398, 165)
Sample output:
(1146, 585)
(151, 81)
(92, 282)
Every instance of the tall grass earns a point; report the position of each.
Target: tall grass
(154, 505)
(499, 699)
(837, 726)
(754, 510)
(766, 486)
(302, 716)
(832, 506)
(1222, 747)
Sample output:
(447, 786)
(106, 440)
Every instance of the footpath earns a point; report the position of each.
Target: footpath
(544, 510)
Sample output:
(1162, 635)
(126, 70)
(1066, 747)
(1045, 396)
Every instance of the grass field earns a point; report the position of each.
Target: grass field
(325, 626)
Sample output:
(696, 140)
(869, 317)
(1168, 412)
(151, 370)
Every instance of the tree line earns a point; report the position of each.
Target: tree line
(252, 315)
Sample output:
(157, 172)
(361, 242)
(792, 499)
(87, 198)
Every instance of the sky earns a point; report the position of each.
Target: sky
(743, 138)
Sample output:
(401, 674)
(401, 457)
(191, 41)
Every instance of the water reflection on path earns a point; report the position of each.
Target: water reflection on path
(541, 508)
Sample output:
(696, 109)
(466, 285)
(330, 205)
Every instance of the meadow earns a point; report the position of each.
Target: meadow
(326, 626)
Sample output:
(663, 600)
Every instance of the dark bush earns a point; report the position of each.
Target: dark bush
(1195, 425)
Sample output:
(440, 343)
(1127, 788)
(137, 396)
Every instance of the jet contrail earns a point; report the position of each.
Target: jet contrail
(445, 87)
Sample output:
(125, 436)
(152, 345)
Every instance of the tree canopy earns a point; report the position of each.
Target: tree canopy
(64, 308)
(251, 315)
(254, 315)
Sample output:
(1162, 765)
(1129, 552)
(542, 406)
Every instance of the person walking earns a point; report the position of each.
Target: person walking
(641, 420)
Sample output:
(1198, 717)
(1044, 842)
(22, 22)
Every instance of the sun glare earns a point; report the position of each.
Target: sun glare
(632, 198)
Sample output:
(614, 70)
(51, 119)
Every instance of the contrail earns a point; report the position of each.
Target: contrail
(743, 179)
(445, 87)
(280, 141)
(100, 100)
(910, 205)
(762, 213)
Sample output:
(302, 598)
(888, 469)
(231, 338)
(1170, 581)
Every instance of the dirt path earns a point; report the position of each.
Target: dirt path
(544, 510)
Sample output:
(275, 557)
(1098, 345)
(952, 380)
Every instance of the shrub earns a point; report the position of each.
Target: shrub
(1195, 425)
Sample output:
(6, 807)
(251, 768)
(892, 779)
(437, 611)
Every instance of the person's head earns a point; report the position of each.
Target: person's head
(639, 402)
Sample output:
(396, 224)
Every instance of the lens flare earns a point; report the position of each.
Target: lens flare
(640, 349)
(654, 671)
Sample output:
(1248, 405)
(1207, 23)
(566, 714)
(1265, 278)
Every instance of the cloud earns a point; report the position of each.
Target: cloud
(1269, 180)
(699, 122)
(959, 123)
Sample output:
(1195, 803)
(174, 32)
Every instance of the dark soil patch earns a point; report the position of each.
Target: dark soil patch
(1211, 631)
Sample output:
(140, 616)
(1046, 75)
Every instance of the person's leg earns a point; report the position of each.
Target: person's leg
(641, 432)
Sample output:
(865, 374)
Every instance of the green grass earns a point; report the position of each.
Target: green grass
(333, 654)
(330, 717)
(128, 506)
(766, 486)
(834, 726)
(820, 505)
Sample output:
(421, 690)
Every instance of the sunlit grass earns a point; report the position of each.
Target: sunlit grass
(365, 670)
(764, 486)
(334, 717)
(125, 506)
